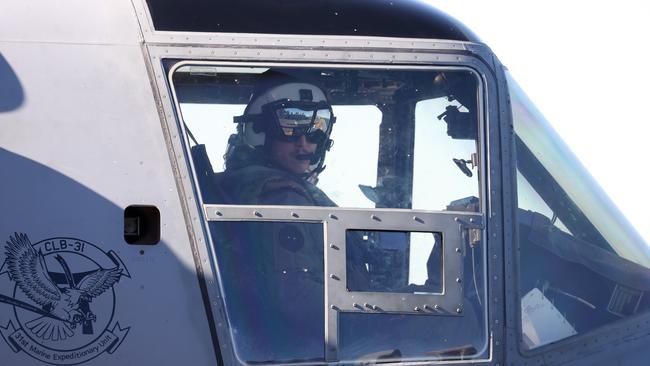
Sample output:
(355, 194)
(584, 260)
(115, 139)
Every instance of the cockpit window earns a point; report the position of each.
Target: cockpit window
(399, 139)
(434, 150)
(582, 265)
(345, 205)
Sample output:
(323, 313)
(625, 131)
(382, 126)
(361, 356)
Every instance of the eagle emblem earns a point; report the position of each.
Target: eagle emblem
(63, 302)
(62, 307)
(68, 304)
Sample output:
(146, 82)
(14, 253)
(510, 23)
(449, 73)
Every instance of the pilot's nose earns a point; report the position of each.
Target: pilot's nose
(301, 141)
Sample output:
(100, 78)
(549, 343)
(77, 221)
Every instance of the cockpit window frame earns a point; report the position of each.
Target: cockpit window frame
(162, 55)
(336, 221)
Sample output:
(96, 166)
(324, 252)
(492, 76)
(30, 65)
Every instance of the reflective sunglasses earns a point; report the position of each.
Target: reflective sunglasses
(295, 119)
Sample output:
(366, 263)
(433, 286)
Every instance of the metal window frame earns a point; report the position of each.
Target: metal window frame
(362, 52)
(454, 227)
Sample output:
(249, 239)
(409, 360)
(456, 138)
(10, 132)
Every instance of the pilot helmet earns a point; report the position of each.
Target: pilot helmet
(284, 109)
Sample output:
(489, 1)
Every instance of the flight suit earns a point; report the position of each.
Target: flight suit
(273, 271)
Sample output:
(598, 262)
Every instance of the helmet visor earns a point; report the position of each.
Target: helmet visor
(313, 121)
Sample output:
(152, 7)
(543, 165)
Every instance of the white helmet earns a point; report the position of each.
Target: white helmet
(286, 110)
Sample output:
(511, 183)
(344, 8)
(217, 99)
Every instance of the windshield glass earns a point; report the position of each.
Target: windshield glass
(582, 265)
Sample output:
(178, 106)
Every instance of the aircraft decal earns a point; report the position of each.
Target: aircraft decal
(63, 299)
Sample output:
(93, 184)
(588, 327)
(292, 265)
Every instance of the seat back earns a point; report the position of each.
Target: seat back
(209, 181)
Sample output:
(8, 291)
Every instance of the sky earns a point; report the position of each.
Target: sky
(584, 65)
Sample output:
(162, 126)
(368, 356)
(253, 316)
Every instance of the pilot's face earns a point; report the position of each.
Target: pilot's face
(293, 156)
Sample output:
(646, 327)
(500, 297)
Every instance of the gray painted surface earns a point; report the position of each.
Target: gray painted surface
(81, 139)
(72, 21)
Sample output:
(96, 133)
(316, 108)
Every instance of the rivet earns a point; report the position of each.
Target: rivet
(367, 305)
(334, 247)
(436, 307)
(457, 250)
(417, 309)
(354, 304)
(294, 214)
(459, 280)
(334, 307)
(257, 213)
(218, 213)
(334, 277)
(456, 219)
(471, 219)
(333, 217)
(418, 219)
(374, 217)
(459, 310)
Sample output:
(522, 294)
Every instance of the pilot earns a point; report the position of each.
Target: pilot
(280, 145)
(273, 271)
(275, 159)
